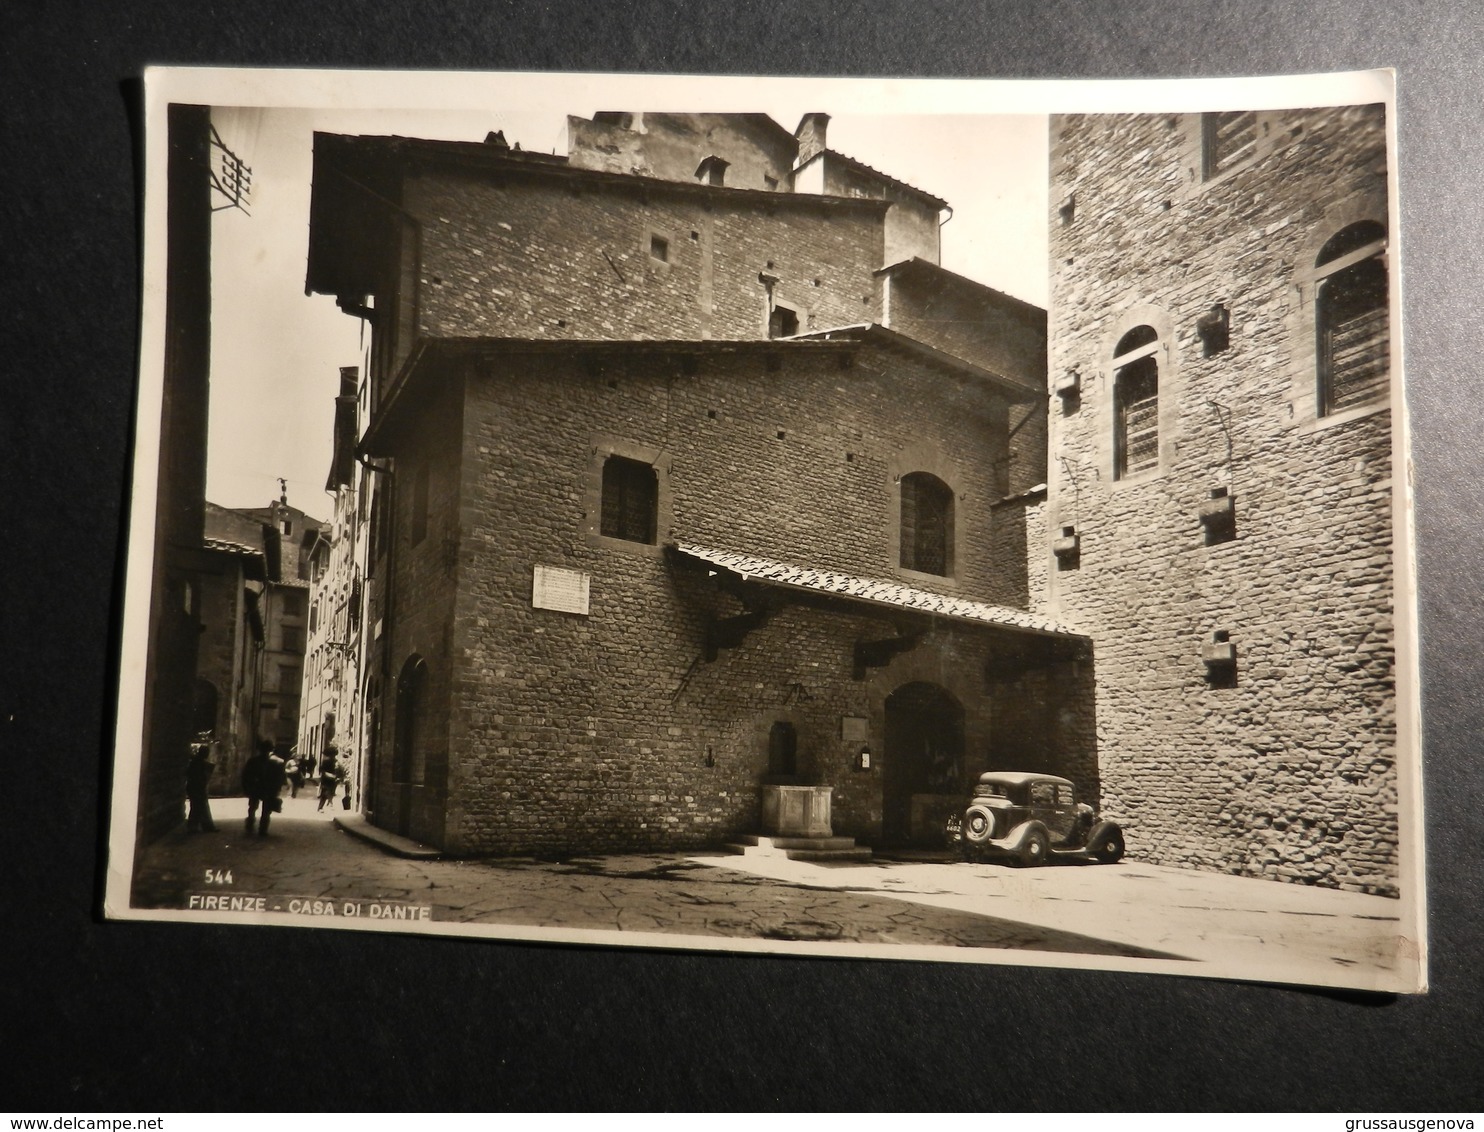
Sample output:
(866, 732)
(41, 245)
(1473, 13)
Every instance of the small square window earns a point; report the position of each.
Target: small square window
(659, 248)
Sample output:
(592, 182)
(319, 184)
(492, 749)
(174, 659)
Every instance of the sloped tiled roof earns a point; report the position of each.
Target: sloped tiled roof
(874, 590)
(874, 172)
(229, 546)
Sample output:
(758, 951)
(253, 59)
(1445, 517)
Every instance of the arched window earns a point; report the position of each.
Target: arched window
(1351, 318)
(927, 524)
(1136, 402)
(407, 758)
(630, 500)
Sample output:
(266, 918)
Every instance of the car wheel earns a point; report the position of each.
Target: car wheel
(1106, 845)
(978, 825)
(1035, 846)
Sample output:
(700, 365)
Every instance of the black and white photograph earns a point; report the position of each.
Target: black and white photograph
(946, 520)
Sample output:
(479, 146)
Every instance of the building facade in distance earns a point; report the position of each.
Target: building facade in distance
(331, 709)
(259, 604)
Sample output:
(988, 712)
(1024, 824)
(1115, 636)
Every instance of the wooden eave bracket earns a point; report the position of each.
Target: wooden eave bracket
(878, 654)
(730, 632)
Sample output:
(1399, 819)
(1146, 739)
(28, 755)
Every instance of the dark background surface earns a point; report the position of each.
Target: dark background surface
(166, 1017)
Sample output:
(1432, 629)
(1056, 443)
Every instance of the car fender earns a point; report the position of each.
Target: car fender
(1105, 835)
(1014, 841)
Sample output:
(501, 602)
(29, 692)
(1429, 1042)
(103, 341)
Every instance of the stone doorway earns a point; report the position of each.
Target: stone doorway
(922, 763)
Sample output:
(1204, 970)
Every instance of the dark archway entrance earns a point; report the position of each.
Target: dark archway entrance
(407, 753)
(924, 755)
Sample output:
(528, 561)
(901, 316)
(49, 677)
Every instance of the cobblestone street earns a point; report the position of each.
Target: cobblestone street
(308, 869)
(306, 863)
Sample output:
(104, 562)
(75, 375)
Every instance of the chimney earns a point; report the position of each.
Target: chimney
(811, 136)
(343, 454)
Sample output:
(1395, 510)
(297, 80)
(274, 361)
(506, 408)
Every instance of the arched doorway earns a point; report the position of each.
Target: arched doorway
(924, 755)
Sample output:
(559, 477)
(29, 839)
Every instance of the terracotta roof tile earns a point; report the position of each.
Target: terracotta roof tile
(875, 590)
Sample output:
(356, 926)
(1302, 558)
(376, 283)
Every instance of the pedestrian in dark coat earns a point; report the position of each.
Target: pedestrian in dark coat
(198, 774)
(329, 778)
(262, 779)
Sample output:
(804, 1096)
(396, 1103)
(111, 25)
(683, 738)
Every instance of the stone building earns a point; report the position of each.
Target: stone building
(676, 500)
(229, 668)
(259, 592)
(1220, 481)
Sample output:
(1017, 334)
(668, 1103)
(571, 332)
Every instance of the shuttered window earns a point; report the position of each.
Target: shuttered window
(1352, 319)
(1229, 138)
(1136, 403)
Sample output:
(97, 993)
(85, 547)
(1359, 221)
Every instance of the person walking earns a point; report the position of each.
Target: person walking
(262, 779)
(329, 778)
(198, 774)
(294, 770)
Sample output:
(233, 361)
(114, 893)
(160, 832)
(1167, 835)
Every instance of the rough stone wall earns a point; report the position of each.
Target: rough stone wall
(971, 321)
(225, 658)
(671, 146)
(417, 596)
(912, 224)
(1287, 771)
(534, 257)
(1018, 545)
(610, 730)
(975, 323)
(1038, 561)
(1045, 721)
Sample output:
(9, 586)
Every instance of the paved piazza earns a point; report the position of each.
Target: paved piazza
(309, 870)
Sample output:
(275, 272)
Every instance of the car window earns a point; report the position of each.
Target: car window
(1064, 795)
(1042, 793)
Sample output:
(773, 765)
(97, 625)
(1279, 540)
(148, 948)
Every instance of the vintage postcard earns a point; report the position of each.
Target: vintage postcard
(960, 521)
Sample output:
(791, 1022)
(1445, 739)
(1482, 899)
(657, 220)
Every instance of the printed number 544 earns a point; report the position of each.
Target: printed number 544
(218, 876)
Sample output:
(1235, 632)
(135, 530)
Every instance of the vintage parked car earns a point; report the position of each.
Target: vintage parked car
(1030, 818)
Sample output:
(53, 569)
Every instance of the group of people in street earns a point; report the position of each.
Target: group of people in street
(263, 778)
